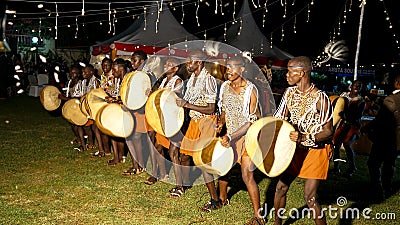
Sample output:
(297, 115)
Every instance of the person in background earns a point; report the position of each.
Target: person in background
(310, 112)
(384, 132)
(349, 127)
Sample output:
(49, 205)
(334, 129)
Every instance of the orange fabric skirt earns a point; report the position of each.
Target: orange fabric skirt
(311, 164)
(199, 133)
(141, 125)
(89, 123)
(162, 140)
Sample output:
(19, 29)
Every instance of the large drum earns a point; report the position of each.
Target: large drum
(215, 158)
(71, 111)
(94, 101)
(49, 98)
(134, 89)
(83, 105)
(338, 105)
(163, 114)
(269, 146)
(114, 121)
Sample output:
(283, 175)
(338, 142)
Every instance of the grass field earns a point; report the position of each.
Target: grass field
(44, 181)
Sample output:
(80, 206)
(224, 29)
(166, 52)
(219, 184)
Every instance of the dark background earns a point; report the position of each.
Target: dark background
(378, 43)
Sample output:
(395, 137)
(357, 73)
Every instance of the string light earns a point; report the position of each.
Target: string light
(145, 20)
(158, 16)
(241, 25)
(40, 27)
(77, 27)
(283, 34)
(351, 4)
(264, 14)
(183, 13)
(221, 7)
(308, 13)
(216, 7)
(270, 41)
(234, 11)
(345, 13)
(114, 20)
(109, 17)
(83, 7)
(56, 27)
(285, 8)
(225, 29)
(294, 24)
(197, 13)
(255, 6)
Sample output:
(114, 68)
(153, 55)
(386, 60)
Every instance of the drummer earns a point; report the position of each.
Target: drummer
(103, 140)
(238, 101)
(173, 82)
(310, 112)
(119, 69)
(138, 142)
(88, 83)
(74, 90)
(200, 98)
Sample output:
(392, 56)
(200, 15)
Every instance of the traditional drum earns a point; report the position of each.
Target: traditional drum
(269, 146)
(134, 89)
(163, 114)
(49, 98)
(338, 105)
(71, 111)
(114, 121)
(95, 100)
(215, 158)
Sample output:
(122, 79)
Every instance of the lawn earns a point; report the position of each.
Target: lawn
(44, 181)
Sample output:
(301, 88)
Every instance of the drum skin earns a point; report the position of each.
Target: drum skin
(83, 101)
(71, 111)
(215, 158)
(49, 98)
(269, 146)
(134, 89)
(95, 100)
(114, 121)
(338, 105)
(163, 114)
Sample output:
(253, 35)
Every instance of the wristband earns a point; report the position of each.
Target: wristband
(229, 137)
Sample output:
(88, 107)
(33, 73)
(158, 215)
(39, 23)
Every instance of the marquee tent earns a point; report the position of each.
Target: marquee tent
(252, 39)
(151, 32)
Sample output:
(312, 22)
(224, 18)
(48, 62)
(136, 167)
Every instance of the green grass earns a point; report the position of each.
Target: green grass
(44, 181)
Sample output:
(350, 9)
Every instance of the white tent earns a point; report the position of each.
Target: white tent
(151, 32)
(251, 38)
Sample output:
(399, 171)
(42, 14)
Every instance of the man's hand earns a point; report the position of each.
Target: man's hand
(180, 102)
(225, 141)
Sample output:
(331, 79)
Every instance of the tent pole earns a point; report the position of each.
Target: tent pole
(363, 3)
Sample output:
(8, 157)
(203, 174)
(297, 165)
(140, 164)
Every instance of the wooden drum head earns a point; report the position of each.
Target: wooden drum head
(338, 106)
(163, 114)
(71, 111)
(215, 158)
(269, 146)
(134, 89)
(95, 100)
(49, 98)
(114, 121)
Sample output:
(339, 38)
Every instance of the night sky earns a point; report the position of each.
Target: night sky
(377, 44)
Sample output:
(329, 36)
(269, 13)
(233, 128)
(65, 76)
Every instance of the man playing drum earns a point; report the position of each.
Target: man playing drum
(200, 98)
(309, 110)
(102, 139)
(238, 100)
(173, 82)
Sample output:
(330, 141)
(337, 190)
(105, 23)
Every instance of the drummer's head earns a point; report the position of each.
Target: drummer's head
(195, 61)
(88, 71)
(119, 68)
(171, 66)
(299, 68)
(138, 57)
(106, 64)
(75, 72)
(234, 68)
